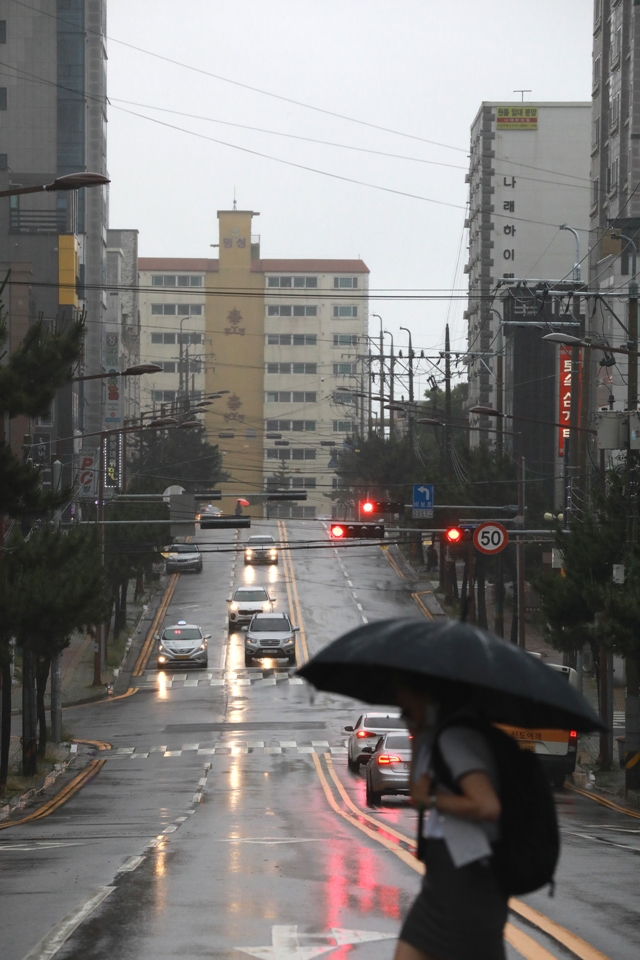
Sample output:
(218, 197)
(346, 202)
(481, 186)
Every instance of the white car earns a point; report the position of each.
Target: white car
(260, 549)
(245, 602)
(366, 733)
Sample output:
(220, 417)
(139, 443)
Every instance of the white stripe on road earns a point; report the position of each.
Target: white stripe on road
(130, 865)
(51, 943)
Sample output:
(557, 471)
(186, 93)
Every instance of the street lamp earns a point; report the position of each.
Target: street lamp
(136, 371)
(70, 181)
(576, 266)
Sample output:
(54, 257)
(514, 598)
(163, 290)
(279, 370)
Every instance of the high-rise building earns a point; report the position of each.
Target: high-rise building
(282, 342)
(528, 176)
(615, 178)
(53, 122)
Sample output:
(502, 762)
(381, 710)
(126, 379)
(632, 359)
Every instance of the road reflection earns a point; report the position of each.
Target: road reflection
(163, 689)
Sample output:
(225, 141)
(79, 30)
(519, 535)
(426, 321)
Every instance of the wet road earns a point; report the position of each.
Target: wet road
(225, 819)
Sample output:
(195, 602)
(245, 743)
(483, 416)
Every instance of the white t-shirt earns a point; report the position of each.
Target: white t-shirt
(464, 750)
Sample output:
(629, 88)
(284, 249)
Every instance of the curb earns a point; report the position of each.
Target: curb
(123, 680)
(44, 782)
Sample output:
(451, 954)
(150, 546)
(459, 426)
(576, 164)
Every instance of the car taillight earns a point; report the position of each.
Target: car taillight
(361, 734)
(573, 734)
(386, 758)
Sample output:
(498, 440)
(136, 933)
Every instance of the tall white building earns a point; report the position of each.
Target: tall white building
(528, 174)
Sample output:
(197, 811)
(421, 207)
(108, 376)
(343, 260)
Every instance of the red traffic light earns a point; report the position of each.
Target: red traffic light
(367, 507)
(453, 535)
(337, 531)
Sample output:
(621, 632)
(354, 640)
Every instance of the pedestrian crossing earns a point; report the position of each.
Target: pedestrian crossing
(226, 749)
(217, 678)
(619, 719)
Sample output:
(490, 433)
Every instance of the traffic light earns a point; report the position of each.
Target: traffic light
(225, 523)
(286, 495)
(463, 532)
(374, 508)
(356, 531)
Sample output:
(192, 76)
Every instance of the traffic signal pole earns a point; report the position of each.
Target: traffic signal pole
(632, 699)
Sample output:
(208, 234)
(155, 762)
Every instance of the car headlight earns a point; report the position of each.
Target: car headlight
(273, 554)
(160, 647)
(162, 659)
(234, 606)
(266, 607)
(203, 646)
(248, 553)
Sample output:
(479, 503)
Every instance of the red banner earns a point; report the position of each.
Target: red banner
(564, 394)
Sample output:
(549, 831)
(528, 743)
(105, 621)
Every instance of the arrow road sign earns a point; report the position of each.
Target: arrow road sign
(288, 943)
(490, 537)
(422, 501)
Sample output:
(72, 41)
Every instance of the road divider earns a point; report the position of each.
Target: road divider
(143, 657)
(302, 650)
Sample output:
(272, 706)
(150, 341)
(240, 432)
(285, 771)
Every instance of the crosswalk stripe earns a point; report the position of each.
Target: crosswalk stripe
(228, 749)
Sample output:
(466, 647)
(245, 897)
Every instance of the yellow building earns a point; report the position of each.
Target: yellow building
(280, 338)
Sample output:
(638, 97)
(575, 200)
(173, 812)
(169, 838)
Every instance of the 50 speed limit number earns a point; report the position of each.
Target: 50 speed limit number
(490, 537)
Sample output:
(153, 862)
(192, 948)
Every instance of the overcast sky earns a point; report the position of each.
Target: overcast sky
(418, 67)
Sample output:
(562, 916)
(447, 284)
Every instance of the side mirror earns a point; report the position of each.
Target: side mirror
(157, 636)
(348, 729)
(207, 636)
(367, 749)
(296, 629)
(229, 599)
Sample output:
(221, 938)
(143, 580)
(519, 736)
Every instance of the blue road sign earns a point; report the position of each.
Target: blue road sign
(423, 501)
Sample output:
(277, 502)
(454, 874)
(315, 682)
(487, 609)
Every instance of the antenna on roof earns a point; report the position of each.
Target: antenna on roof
(235, 205)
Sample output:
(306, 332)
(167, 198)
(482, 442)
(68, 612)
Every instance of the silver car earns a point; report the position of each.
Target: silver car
(247, 601)
(183, 643)
(366, 733)
(388, 769)
(270, 635)
(260, 549)
(181, 557)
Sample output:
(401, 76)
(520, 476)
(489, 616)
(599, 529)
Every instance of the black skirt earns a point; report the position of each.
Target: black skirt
(460, 913)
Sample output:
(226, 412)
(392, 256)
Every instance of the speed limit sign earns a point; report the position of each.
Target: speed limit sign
(490, 537)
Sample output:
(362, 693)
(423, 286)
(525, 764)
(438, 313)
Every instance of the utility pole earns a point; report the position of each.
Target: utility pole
(447, 400)
(392, 364)
(381, 426)
(56, 680)
(632, 699)
(574, 442)
(412, 411)
(520, 556)
(98, 645)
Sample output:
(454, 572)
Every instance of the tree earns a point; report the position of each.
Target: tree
(29, 379)
(173, 456)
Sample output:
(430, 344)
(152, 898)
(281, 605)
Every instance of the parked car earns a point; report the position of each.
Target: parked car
(365, 734)
(389, 767)
(181, 557)
(270, 635)
(261, 549)
(246, 602)
(183, 643)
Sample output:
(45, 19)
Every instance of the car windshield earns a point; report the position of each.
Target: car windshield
(182, 633)
(260, 540)
(397, 741)
(270, 625)
(183, 548)
(251, 595)
(384, 723)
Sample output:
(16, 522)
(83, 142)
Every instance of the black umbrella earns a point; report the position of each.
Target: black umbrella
(509, 685)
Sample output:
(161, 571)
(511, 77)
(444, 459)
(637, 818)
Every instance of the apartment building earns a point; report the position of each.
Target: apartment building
(528, 175)
(282, 341)
(615, 175)
(53, 122)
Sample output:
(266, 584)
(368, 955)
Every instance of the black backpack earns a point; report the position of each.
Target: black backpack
(525, 857)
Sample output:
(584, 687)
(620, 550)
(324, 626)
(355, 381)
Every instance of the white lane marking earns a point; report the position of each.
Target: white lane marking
(171, 829)
(269, 840)
(121, 750)
(359, 606)
(319, 743)
(338, 750)
(191, 682)
(365, 620)
(130, 865)
(33, 845)
(158, 749)
(223, 657)
(296, 680)
(350, 583)
(51, 943)
(202, 782)
(288, 743)
(204, 751)
(190, 746)
(139, 756)
(288, 944)
(173, 753)
(255, 743)
(605, 840)
(197, 797)
(273, 749)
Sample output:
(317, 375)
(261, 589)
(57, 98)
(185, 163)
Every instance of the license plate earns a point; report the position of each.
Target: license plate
(182, 656)
(526, 746)
(406, 766)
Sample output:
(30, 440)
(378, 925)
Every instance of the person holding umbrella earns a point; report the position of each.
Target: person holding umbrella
(491, 829)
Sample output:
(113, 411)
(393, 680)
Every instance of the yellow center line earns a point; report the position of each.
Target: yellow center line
(422, 607)
(292, 595)
(604, 801)
(147, 647)
(393, 563)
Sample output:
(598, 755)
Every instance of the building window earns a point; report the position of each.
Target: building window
(597, 14)
(297, 339)
(340, 369)
(343, 426)
(168, 366)
(595, 192)
(250, 434)
(3, 98)
(171, 280)
(345, 340)
(595, 142)
(163, 338)
(309, 282)
(163, 396)
(613, 174)
(615, 110)
(345, 283)
(596, 71)
(288, 310)
(189, 337)
(343, 398)
(342, 312)
(285, 396)
(285, 368)
(3, 31)
(179, 309)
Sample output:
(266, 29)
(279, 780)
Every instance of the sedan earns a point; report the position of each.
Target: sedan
(389, 768)
(366, 732)
(183, 643)
(181, 557)
(247, 601)
(260, 549)
(208, 511)
(270, 635)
